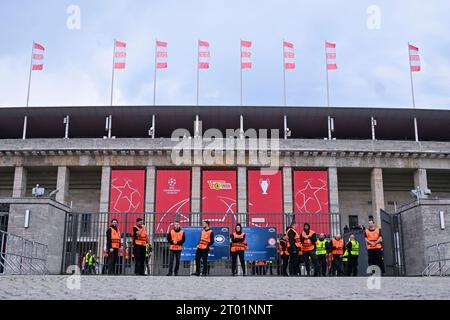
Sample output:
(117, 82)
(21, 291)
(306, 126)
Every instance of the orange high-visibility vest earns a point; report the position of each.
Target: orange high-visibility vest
(339, 247)
(176, 236)
(373, 235)
(141, 236)
(205, 239)
(307, 244)
(115, 238)
(280, 248)
(296, 238)
(238, 246)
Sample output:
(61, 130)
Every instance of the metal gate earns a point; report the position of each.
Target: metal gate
(392, 243)
(86, 232)
(4, 214)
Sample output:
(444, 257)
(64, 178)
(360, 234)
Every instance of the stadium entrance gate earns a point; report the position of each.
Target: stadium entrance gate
(86, 232)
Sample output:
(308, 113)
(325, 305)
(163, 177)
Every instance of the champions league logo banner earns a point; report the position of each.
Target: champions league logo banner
(220, 249)
(173, 191)
(261, 243)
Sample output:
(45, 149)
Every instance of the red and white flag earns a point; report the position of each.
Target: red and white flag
(246, 54)
(289, 55)
(330, 52)
(161, 54)
(120, 54)
(414, 58)
(37, 57)
(204, 54)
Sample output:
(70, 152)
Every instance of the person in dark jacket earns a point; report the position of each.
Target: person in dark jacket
(308, 238)
(113, 244)
(294, 246)
(204, 244)
(284, 255)
(238, 247)
(176, 238)
(323, 248)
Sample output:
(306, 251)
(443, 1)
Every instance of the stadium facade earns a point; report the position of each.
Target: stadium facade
(349, 162)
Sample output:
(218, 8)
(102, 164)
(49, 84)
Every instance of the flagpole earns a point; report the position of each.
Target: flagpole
(326, 68)
(112, 77)
(240, 65)
(198, 68)
(29, 76)
(284, 75)
(154, 76)
(412, 81)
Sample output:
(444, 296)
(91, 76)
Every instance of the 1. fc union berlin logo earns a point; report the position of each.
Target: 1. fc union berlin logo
(219, 185)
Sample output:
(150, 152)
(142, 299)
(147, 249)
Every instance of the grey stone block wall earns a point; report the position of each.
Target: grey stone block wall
(421, 229)
(46, 225)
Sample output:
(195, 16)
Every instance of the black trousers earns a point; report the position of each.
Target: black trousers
(322, 264)
(375, 257)
(352, 266)
(336, 265)
(293, 263)
(234, 257)
(201, 255)
(310, 257)
(112, 261)
(139, 259)
(174, 255)
(285, 263)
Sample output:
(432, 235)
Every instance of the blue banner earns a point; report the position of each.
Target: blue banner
(261, 243)
(220, 249)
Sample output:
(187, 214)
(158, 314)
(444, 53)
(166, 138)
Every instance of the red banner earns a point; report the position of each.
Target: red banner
(127, 194)
(265, 199)
(311, 198)
(219, 196)
(173, 192)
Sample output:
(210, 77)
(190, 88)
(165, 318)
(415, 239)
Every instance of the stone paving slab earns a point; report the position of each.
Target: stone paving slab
(201, 288)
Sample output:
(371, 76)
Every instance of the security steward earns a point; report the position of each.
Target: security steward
(374, 245)
(352, 250)
(112, 246)
(322, 249)
(337, 251)
(176, 238)
(345, 261)
(140, 241)
(206, 241)
(238, 247)
(308, 239)
(293, 245)
(284, 254)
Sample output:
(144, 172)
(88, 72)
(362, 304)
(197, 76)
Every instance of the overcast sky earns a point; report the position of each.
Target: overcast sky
(373, 62)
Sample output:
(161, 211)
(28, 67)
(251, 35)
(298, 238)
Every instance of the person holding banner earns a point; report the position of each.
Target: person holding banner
(308, 239)
(206, 241)
(238, 247)
(294, 247)
(176, 239)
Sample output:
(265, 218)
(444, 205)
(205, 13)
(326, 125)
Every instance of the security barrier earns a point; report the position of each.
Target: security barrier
(86, 233)
(21, 256)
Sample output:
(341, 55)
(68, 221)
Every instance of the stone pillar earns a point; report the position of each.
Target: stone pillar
(420, 179)
(196, 195)
(287, 189)
(242, 195)
(150, 179)
(62, 184)
(333, 192)
(376, 182)
(20, 182)
(104, 207)
(104, 189)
